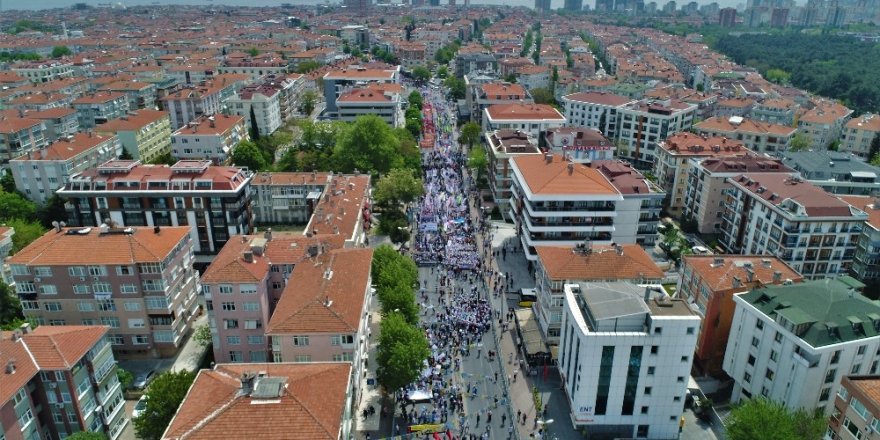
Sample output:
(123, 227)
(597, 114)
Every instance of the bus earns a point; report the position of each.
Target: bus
(527, 297)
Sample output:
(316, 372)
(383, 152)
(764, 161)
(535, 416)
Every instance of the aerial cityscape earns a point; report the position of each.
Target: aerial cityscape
(440, 220)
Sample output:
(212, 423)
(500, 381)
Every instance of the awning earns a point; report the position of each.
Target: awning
(863, 174)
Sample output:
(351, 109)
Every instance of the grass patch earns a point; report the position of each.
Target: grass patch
(671, 288)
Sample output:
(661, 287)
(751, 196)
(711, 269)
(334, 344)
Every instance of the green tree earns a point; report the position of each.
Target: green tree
(255, 129)
(875, 160)
(13, 205)
(164, 396)
(308, 102)
(389, 269)
(61, 51)
(163, 159)
(10, 308)
(456, 87)
(403, 348)
(763, 419)
(442, 72)
(307, 66)
(125, 155)
(25, 232)
(289, 161)
(397, 187)
(799, 142)
(421, 74)
(542, 96)
(478, 161)
(125, 378)
(7, 182)
(414, 126)
(368, 145)
(53, 210)
(511, 78)
(87, 435)
(470, 134)
(253, 51)
(415, 100)
(248, 154)
(202, 335)
(778, 76)
(400, 298)
(873, 150)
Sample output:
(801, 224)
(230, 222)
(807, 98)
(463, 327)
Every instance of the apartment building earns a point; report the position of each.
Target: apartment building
(287, 198)
(60, 122)
(371, 100)
(856, 412)
(579, 145)
(533, 77)
(794, 343)
(775, 111)
(263, 100)
(858, 133)
(675, 156)
(191, 102)
(255, 67)
(625, 358)
(502, 146)
(866, 263)
(533, 119)
(20, 136)
(336, 82)
(59, 380)
(137, 281)
(261, 400)
(324, 315)
(558, 203)
(776, 214)
(709, 282)
(98, 108)
(492, 93)
(344, 209)
(42, 71)
(834, 171)
(209, 138)
(6, 234)
(215, 201)
(760, 137)
(141, 95)
(145, 134)
(39, 174)
(644, 124)
(596, 110)
(707, 179)
(561, 265)
(410, 53)
(244, 284)
(823, 124)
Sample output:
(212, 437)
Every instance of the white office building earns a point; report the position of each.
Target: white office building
(625, 358)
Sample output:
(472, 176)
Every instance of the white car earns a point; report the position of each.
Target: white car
(139, 407)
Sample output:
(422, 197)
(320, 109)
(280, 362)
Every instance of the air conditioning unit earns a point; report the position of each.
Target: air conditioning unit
(38, 279)
(53, 385)
(59, 405)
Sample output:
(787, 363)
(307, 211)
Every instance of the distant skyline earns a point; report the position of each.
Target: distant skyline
(49, 4)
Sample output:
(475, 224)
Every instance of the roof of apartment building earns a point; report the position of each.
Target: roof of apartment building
(718, 271)
(65, 148)
(621, 262)
(689, 144)
(363, 95)
(291, 178)
(744, 164)
(51, 113)
(14, 125)
(134, 120)
(740, 124)
(47, 348)
(624, 177)
(327, 295)
(521, 111)
(665, 107)
(223, 178)
(291, 401)
(600, 98)
(824, 164)
(340, 206)
(209, 125)
(616, 299)
(825, 112)
(98, 98)
(866, 122)
(776, 188)
(96, 247)
(513, 142)
(126, 86)
(360, 73)
(549, 174)
(871, 206)
(823, 312)
(867, 386)
(503, 90)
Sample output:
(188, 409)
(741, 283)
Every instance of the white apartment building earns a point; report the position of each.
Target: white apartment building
(596, 110)
(501, 146)
(190, 102)
(496, 93)
(19, 136)
(625, 359)
(372, 100)
(265, 101)
(209, 137)
(643, 124)
(794, 343)
(41, 71)
(858, 133)
(533, 119)
(824, 123)
(761, 137)
(779, 214)
(39, 174)
(579, 144)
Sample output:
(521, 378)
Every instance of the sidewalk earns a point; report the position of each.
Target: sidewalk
(370, 395)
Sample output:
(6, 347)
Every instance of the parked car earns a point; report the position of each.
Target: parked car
(143, 379)
(139, 407)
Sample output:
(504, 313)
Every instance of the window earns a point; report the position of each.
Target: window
(156, 302)
(124, 270)
(230, 323)
(648, 391)
(116, 339)
(233, 340)
(52, 306)
(48, 289)
(102, 288)
(235, 356)
(228, 306)
(86, 306)
(256, 340)
(747, 378)
(110, 321)
(654, 349)
(303, 358)
(128, 288)
(859, 408)
(251, 307)
(247, 289)
(57, 322)
(778, 337)
(77, 271)
(140, 339)
(774, 355)
(825, 393)
(253, 324)
(769, 374)
(658, 330)
(153, 285)
(132, 306)
(300, 341)
(684, 358)
(344, 357)
(759, 325)
(136, 323)
(843, 393)
(97, 271)
(163, 336)
(226, 289)
(149, 268)
(862, 349)
(341, 339)
(751, 360)
(755, 341)
(855, 369)
(852, 428)
(81, 289)
(644, 410)
(829, 376)
(106, 305)
(650, 371)
(680, 379)
(690, 330)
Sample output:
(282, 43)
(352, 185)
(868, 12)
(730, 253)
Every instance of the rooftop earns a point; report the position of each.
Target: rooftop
(513, 142)
(778, 188)
(627, 262)
(209, 125)
(612, 300)
(549, 174)
(64, 149)
(128, 175)
(291, 178)
(308, 404)
(826, 162)
(520, 111)
(871, 206)
(867, 122)
(868, 386)
(625, 178)
(133, 121)
(92, 246)
(718, 271)
(740, 124)
(601, 98)
(689, 144)
(582, 137)
(744, 164)
(823, 312)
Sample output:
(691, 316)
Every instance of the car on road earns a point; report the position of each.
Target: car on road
(143, 379)
(139, 407)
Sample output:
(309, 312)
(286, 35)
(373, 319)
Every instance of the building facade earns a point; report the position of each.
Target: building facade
(501, 146)
(760, 137)
(145, 134)
(533, 119)
(856, 412)
(835, 171)
(858, 134)
(642, 125)
(596, 110)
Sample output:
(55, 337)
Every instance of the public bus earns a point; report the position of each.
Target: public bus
(527, 297)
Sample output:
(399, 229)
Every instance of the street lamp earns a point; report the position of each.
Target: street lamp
(546, 424)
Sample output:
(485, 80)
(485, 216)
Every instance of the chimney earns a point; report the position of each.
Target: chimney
(247, 384)
(25, 328)
(750, 274)
(10, 366)
(570, 168)
(548, 158)
(268, 234)
(157, 230)
(737, 282)
(248, 257)
(777, 277)
(648, 290)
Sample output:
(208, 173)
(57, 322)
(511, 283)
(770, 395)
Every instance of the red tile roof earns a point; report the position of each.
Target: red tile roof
(775, 188)
(64, 149)
(133, 121)
(61, 347)
(871, 206)
(717, 271)
(601, 98)
(520, 111)
(141, 246)
(310, 406)
(603, 263)
(544, 178)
